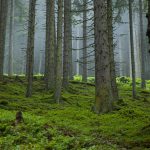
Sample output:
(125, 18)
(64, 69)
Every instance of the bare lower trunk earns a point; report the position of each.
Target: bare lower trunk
(47, 41)
(148, 17)
(70, 57)
(70, 49)
(132, 50)
(52, 48)
(40, 62)
(10, 59)
(67, 40)
(103, 100)
(58, 84)
(55, 47)
(84, 75)
(111, 48)
(50, 45)
(30, 47)
(3, 21)
(143, 82)
(70, 43)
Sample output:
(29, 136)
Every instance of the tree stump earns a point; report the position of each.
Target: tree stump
(19, 118)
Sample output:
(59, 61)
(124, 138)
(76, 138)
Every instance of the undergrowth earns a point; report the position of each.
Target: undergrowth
(72, 125)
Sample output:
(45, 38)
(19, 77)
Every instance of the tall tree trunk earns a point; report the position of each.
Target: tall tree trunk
(58, 84)
(51, 72)
(103, 100)
(70, 53)
(40, 62)
(132, 50)
(78, 53)
(11, 26)
(70, 42)
(111, 48)
(55, 43)
(30, 47)
(148, 17)
(84, 75)
(47, 41)
(3, 21)
(23, 66)
(143, 82)
(67, 42)
(50, 45)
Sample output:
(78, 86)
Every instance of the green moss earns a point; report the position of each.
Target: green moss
(72, 124)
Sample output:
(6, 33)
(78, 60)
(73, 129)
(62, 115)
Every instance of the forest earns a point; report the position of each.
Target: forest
(74, 74)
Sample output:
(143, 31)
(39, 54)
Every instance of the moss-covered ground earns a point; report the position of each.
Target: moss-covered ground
(72, 125)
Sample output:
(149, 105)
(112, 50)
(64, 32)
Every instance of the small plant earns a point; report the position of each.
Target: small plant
(124, 79)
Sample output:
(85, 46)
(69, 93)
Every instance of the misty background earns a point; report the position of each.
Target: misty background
(121, 41)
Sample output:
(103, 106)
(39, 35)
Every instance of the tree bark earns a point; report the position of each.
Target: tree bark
(55, 45)
(3, 22)
(58, 84)
(30, 47)
(111, 48)
(67, 43)
(50, 45)
(84, 75)
(47, 42)
(143, 82)
(47, 39)
(11, 28)
(132, 50)
(70, 55)
(148, 17)
(103, 100)
(40, 63)
(70, 42)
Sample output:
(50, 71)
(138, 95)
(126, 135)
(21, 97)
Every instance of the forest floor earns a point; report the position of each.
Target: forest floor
(72, 125)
